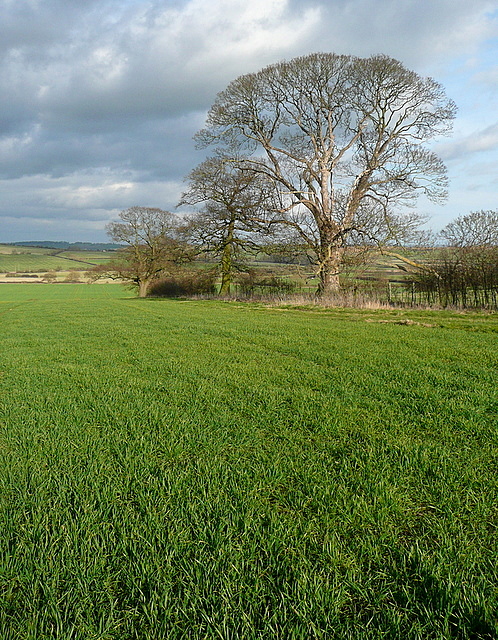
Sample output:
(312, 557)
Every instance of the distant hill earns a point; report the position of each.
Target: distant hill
(68, 246)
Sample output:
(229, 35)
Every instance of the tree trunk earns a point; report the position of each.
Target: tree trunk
(226, 282)
(226, 260)
(143, 286)
(330, 267)
(226, 270)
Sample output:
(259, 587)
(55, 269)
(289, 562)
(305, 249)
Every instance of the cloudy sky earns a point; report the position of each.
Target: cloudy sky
(99, 99)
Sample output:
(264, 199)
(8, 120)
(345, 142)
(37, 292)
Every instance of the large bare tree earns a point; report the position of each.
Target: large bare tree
(152, 248)
(343, 139)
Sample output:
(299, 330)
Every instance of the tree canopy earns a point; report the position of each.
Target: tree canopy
(345, 142)
(476, 229)
(152, 245)
(233, 205)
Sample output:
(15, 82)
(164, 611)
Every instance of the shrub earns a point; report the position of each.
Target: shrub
(72, 276)
(201, 282)
(252, 283)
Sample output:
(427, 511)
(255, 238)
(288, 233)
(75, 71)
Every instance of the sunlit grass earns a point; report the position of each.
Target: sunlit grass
(179, 469)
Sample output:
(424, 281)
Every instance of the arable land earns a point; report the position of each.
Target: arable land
(41, 264)
(207, 469)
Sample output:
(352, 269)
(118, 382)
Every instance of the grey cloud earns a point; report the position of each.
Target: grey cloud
(485, 140)
(93, 99)
(77, 206)
(420, 34)
(152, 149)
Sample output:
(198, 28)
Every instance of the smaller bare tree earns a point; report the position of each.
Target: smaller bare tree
(152, 246)
(476, 229)
(232, 218)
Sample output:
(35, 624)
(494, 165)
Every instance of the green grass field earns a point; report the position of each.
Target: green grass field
(200, 469)
(15, 259)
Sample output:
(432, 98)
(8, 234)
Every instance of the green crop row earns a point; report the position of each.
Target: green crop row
(199, 469)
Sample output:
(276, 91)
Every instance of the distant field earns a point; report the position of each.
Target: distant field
(38, 260)
(95, 257)
(181, 469)
(38, 264)
(8, 249)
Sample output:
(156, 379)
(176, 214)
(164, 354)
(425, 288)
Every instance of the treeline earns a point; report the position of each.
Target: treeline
(466, 277)
(465, 273)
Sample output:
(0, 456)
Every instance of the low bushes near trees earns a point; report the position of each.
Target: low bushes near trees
(253, 283)
(185, 283)
(204, 282)
(50, 276)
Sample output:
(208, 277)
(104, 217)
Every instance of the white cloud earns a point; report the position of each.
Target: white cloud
(420, 34)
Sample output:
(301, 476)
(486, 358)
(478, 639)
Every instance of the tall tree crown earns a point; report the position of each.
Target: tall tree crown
(343, 139)
(352, 116)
